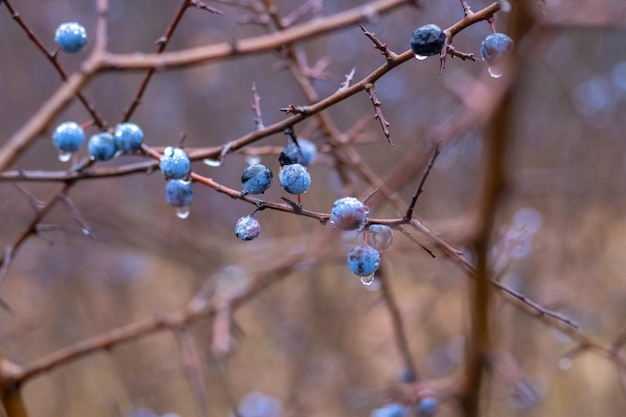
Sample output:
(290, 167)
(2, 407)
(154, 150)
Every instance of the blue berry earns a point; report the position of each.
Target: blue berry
(175, 163)
(256, 179)
(68, 137)
(71, 37)
(294, 179)
(101, 146)
(308, 150)
(380, 236)
(247, 228)
(391, 410)
(178, 193)
(495, 46)
(256, 404)
(348, 213)
(290, 154)
(427, 40)
(363, 260)
(128, 137)
(427, 407)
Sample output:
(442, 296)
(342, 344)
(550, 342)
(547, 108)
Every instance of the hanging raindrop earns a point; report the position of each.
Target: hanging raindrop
(212, 162)
(368, 280)
(495, 72)
(420, 57)
(64, 156)
(182, 212)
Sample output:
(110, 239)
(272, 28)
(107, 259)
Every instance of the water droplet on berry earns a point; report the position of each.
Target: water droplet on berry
(212, 162)
(420, 57)
(65, 156)
(182, 212)
(253, 159)
(86, 231)
(368, 280)
(495, 72)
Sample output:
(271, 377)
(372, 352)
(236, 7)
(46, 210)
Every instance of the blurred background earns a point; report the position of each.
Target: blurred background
(318, 341)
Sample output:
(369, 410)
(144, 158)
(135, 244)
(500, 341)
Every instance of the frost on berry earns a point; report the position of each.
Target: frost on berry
(427, 41)
(175, 163)
(68, 137)
(101, 146)
(295, 179)
(291, 154)
(348, 213)
(256, 179)
(247, 228)
(380, 236)
(128, 137)
(71, 37)
(363, 260)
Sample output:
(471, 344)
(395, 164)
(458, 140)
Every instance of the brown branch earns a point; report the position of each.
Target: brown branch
(256, 108)
(378, 44)
(193, 370)
(378, 113)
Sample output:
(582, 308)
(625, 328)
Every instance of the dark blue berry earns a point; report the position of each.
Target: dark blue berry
(308, 150)
(247, 228)
(427, 40)
(256, 404)
(495, 46)
(101, 146)
(256, 179)
(178, 193)
(71, 37)
(348, 213)
(128, 137)
(363, 260)
(295, 179)
(427, 407)
(175, 163)
(68, 137)
(290, 154)
(391, 410)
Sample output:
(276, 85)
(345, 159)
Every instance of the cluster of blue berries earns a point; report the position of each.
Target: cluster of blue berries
(69, 137)
(71, 37)
(176, 167)
(294, 178)
(350, 213)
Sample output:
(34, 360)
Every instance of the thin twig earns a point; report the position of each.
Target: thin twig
(409, 212)
(378, 113)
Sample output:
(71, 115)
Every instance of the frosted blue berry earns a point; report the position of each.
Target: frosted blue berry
(175, 163)
(308, 150)
(427, 41)
(128, 137)
(71, 37)
(295, 179)
(363, 260)
(256, 179)
(427, 407)
(290, 154)
(391, 410)
(348, 213)
(68, 137)
(178, 193)
(247, 228)
(495, 46)
(101, 146)
(379, 236)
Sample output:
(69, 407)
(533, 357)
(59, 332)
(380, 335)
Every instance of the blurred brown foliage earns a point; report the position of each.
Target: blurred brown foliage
(319, 340)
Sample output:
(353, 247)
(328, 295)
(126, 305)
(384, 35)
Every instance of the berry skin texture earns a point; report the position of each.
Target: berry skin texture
(178, 193)
(71, 37)
(256, 179)
(68, 137)
(427, 407)
(348, 213)
(295, 179)
(247, 228)
(102, 147)
(309, 152)
(427, 40)
(290, 155)
(175, 163)
(380, 236)
(128, 137)
(495, 47)
(391, 410)
(363, 260)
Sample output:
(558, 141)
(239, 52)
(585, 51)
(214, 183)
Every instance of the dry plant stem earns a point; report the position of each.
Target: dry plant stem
(409, 212)
(256, 108)
(162, 44)
(401, 339)
(193, 370)
(378, 113)
(53, 58)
